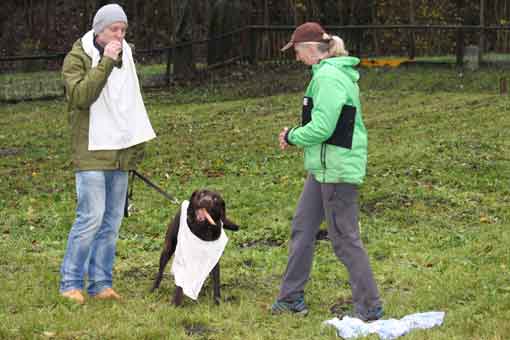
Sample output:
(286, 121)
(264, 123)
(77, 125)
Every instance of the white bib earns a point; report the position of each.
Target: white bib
(194, 258)
(118, 118)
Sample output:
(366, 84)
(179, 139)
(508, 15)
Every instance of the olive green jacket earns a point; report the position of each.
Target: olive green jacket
(83, 85)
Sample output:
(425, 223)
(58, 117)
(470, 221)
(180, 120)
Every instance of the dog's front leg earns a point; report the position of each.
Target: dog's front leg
(215, 275)
(163, 260)
(178, 296)
(168, 250)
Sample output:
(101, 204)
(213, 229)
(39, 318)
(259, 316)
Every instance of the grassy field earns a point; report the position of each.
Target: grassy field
(19, 86)
(434, 210)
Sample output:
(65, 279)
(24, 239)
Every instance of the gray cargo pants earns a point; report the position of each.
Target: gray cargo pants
(338, 204)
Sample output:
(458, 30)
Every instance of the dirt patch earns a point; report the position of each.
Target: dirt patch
(262, 242)
(321, 235)
(138, 273)
(341, 306)
(197, 329)
(10, 151)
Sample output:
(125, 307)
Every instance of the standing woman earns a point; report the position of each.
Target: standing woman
(334, 140)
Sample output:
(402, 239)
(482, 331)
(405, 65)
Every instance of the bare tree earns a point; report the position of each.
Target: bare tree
(183, 28)
(412, 38)
(374, 20)
(459, 45)
(49, 27)
(481, 43)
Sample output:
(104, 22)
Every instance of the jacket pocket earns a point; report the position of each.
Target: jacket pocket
(306, 115)
(344, 131)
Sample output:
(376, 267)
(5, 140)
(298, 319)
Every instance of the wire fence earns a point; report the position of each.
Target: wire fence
(262, 44)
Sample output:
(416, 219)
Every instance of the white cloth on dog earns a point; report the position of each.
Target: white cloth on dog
(194, 258)
(118, 118)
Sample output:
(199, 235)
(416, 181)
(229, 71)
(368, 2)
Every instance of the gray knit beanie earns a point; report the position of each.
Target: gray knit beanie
(106, 16)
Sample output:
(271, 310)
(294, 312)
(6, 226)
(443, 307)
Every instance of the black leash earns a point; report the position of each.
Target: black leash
(129, 195)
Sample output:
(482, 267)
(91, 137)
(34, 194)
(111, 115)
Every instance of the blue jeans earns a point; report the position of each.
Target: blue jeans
(91, 244)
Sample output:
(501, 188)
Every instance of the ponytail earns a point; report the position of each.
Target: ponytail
(333, 45)
(337, 47)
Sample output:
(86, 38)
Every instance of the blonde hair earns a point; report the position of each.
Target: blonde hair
(334, 47)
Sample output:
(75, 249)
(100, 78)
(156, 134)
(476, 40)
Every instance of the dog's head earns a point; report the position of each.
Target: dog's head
(207, 209)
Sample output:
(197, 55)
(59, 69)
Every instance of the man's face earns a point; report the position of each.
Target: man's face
(115, 31)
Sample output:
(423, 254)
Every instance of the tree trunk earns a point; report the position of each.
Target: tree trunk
(28, 16)
(132, 14)
(459, 46)
(47, 39)
(183, 57)
(85, 17)
(482, 32)
(265, 36)
(412, 21)
(340, 9)
(352, 10)
(375, 32)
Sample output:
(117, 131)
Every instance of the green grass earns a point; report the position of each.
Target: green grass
(434, 210)
(21, 86)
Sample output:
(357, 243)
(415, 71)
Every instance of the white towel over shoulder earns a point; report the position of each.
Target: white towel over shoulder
(194, 258)
(118, 118)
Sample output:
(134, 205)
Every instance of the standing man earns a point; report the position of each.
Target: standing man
(109, 126)
(334, 140)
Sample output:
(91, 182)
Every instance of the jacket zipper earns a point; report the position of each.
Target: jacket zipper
(323, 159)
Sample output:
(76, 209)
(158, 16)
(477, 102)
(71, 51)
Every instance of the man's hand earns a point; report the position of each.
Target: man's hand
(113, 49)
(281, 138)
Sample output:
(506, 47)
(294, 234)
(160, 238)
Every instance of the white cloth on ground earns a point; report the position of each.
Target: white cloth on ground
(194, 258)
(118, 118)
(352, 328)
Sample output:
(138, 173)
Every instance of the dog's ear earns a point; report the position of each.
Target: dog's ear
(229, 225)
(191, 208)
(193, 195)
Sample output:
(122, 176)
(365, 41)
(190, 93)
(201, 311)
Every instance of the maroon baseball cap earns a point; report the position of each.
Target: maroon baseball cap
(307, 32)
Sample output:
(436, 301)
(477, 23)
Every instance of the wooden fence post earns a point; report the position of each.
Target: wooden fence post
(359, 39)
(253, 46)
(168, 65)
(503, 88)
(481, 41)
(459, 47)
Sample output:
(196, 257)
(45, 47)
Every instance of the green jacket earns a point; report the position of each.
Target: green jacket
(83, 86)
(332, 133)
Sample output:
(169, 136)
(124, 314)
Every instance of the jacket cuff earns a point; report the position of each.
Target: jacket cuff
(108, 63)
(287, 136)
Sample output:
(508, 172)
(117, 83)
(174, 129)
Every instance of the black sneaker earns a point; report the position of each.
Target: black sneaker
(372, 314)
(297, 306)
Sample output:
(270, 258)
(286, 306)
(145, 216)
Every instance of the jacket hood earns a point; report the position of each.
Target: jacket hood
(343, 64)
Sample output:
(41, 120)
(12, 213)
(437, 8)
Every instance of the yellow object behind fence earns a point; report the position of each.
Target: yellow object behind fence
(384, 62)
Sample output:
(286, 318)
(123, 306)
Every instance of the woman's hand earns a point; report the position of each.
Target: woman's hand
(281, 138)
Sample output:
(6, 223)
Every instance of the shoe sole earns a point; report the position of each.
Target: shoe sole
(299, 313)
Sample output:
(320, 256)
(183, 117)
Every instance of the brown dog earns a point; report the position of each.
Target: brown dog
(206, 215)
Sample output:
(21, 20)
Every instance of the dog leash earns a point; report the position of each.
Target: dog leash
(129, 195)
